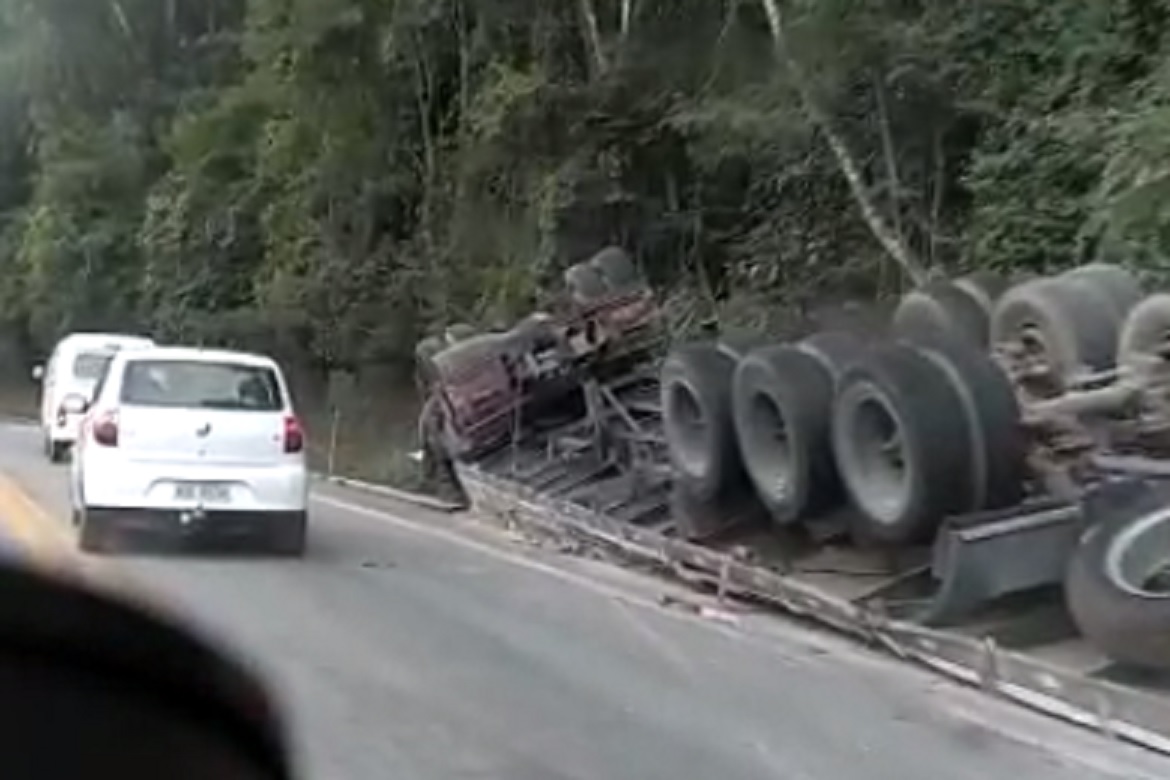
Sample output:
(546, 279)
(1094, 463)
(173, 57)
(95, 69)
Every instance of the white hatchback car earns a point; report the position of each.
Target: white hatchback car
(188, 440)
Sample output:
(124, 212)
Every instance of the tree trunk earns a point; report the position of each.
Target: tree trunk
(627, 15)
(890, 240)
(938, 190)
(593, 36)
(424, 93)
(893, 179)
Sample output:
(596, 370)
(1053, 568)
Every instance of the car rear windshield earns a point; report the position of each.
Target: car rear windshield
(91, 365)
(183, 384)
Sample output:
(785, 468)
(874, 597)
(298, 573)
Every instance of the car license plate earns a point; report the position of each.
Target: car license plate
(204, 492)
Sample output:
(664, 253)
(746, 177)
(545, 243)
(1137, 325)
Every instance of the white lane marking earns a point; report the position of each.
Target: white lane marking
(1064, 752)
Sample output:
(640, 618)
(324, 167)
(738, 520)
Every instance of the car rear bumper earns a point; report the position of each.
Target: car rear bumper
(113, 483)
(211, 524)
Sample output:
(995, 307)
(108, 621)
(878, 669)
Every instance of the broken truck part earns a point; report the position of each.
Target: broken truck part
(943, 490)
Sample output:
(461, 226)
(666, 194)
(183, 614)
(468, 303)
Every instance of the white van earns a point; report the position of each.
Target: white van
(68, 380)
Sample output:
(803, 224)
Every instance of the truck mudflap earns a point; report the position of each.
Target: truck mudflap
(1027, 652)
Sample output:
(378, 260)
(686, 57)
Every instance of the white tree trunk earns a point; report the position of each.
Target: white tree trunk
(889, 238)
(593, 35)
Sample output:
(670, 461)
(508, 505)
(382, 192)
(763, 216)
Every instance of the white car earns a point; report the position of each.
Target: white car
(189, 440)
(68, 381)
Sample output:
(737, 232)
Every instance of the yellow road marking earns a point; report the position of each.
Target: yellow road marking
(51, 545)
(16, 523)
(30, 525)
(48, 529)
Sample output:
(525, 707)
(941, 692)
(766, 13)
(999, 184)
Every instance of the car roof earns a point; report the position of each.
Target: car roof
(199, 354)
(90, 340)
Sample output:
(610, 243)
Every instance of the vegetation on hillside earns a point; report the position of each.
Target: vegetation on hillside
(329, 178)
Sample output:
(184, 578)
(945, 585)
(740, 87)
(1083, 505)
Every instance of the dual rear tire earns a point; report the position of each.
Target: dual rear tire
(783, 412)
(611, 271)
(696, 386)
(908, 432)
(1117, 586)
(1063, 328)
(922, 432)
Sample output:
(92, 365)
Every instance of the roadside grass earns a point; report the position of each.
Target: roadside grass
(373, 443)
(368, 439)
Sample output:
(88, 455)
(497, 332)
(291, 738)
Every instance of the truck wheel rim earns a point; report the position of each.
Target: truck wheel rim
(692, 430)
(767, 440)
(1037, 349)
(1138, 560)
(875, 458)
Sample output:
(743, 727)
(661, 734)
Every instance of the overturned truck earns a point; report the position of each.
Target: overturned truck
(984, 487)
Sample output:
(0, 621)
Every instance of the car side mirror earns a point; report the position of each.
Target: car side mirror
(74, 404)
(38, 372)
(100, 668)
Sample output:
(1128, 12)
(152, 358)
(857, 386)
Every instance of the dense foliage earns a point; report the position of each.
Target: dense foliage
(329, 178)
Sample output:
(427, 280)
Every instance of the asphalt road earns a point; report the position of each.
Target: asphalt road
(410, 645)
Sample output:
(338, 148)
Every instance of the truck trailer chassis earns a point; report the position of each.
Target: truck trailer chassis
(979, 602)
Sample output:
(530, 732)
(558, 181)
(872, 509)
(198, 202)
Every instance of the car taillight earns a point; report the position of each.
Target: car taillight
(105, 428)
(294, 435)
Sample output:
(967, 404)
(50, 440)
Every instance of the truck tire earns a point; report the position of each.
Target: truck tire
(585, 284)
(783, 400)
(1065, 320)
(697, 419)
(972, 320)
(616, 269)
(1110, 586)
(1144, 335)
(459, 331)
(468, 353)
(737, 347)
(698, 520)
(986, 287)
(534, 332)
(899, 440)
(424, 359)
(694, 520)
(941, 307)
(835, 349)
(428, 347)
(993, 417)
(1116, 282)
